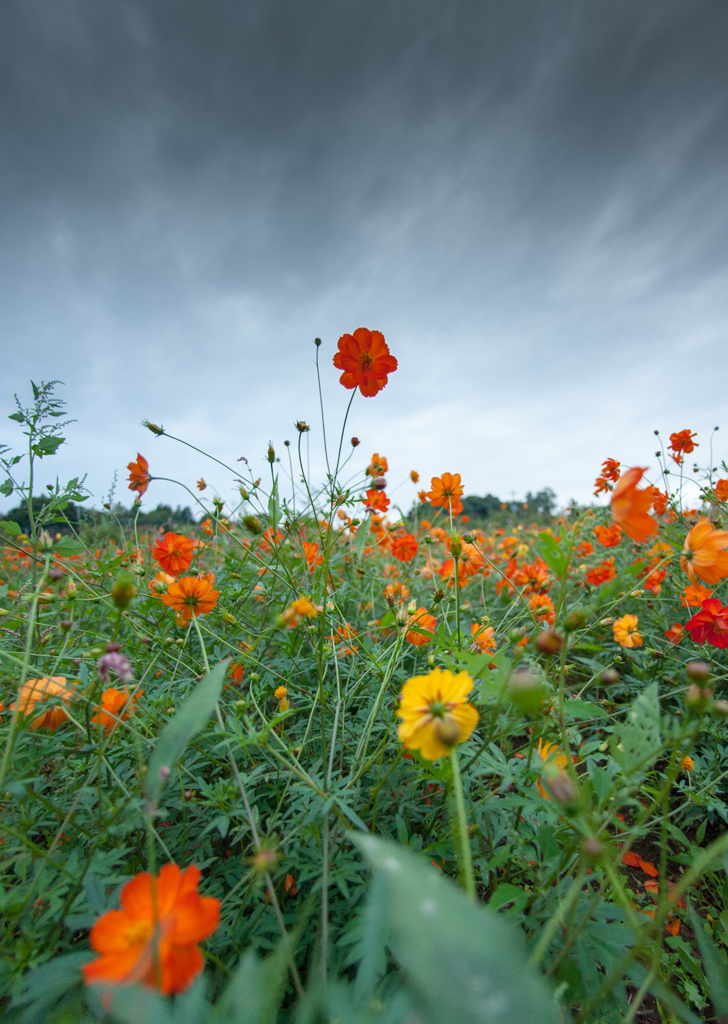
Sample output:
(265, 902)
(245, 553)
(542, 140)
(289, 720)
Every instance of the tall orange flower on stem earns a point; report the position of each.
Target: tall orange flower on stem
(631, 505)
(446, 492)
(404, 546)
(139, 475)
(191, 595)
(116, 706)
(704, 553)
(154, 937)
(174, 553)
(682, 441)
(366, 361)
(376, 501)
(419, 619)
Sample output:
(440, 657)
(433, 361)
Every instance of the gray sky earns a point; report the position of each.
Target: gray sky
(527, 198)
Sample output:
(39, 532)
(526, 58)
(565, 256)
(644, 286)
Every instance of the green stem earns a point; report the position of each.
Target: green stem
(462, 840)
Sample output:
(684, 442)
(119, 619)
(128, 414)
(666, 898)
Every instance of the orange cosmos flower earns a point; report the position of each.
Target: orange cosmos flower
(608, 536)
(139, 475)
(682, 441)
(35, 691)
(160, 583)
(694, 594)
(201, 485)
(343, 635)
(542, 607)
(610, 469)
(446, 492)
(654, 580)
(534, 578)
(659, 501)
(625, 631)
(483, 638)
(191, 595)
(116, 706)
(207, 527)
(414, 476)
(630, 506)
(378, 466)
(366, 361)
(312, 556)
(301, 608)
(404, 546)
(721, 490)
(703, 553)
(675, 633)
(422, 495)
(585, 548)
(174, 553)
(394, 592)
(421, 619)
(602, 573)
(376, 501)
(161, 950)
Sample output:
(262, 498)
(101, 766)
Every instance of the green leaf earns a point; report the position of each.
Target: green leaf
(68, 546)
(190, 719)
(47, 984)
(6, 488)
(507, 894)
(17, 416)
(583, 709)
(255, 990)
(552, 554)
(714, 963)
(463, 962)
(638, 739)
(48, 446)
(10, 527)
(362, 532)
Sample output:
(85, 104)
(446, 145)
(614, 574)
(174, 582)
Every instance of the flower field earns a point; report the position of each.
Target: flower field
(318, 758)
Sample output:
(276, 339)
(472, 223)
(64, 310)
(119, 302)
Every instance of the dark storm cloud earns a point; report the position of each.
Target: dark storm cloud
(522, 192)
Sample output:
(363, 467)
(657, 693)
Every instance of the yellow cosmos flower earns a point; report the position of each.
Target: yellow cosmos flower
(625, 631)
(554, 759)
(436, 715)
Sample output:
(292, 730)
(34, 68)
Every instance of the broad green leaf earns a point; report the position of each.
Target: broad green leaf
(507, 894)
(48, 446)
(6, 488)
(638, 739)
(17, 416)
(463, 962)
(362, 533)
(10, 527)
(190, 719)
(584, 710)
(552, 554)
(255, 991)
(45, 985)
(69, 546)
(714, 964)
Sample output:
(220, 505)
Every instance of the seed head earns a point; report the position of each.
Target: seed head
(549, 641)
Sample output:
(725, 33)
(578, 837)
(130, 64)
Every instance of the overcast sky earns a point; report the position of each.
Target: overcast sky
(529, 199)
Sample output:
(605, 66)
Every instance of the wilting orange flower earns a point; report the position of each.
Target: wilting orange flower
(161, 950)
(534, 578)
(654, 580)
(446, 492)
(404, 546)
(602, 573)
(422, 495)
(483, 637)
(694, 594)
(376, 501)
(35, 691)
(659, 501)
(682, 441)
(311, 555)
(610, 471)
(366, 361)
(191, 595)
(553, 758)
(414, 476)
(625, 631)
(542, 607)
(721, 490)
(422, 619)
(675, 633)
(436, 715)
(630, 506)
(608, 536)
(139, 475)
(378, 466)
(116, 706)
(174, 553)
(201, 485)
(703, 553)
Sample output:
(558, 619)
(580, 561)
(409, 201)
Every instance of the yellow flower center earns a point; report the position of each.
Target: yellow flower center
(138, 932)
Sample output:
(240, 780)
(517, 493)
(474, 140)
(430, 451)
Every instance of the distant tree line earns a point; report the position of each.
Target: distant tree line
(541, 505)
(78, 516)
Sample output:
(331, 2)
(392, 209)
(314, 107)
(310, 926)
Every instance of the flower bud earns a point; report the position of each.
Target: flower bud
(123, 591)
(265, 860)
(66, 625)
(561, 788)
(609, 676)
(243, 493)
(253, 524)
(698, 671)
(271, 455)
(525, 688)
(447, 731)
(355, 442)
(379, 483)
(302, 427)
(438, 595)
(696, 698)
(721, 708)
(317, 342)
(412, 607)
(401, 617)
(592, 849)
(153, 427)
(71, 588)
(230, 619)
(549, 641)
(456, 545)
(164, 772)
(576, 619)
(55, 574)
(45, 541)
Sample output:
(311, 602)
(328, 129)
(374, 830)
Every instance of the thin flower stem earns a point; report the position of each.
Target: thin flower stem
(462, 840)
(321, 403)
(341, 439)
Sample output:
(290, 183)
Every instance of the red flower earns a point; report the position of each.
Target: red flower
(710, 624)
(154, 938)
(602, 573)
(174, 553)
(365, 359)
(139, 475)
(404, 547)
(682, 441)
(675, 633)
